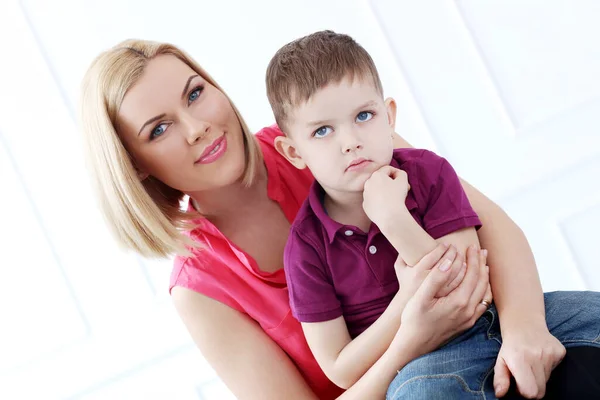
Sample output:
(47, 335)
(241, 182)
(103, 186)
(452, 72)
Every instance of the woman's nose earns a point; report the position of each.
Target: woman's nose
(196, 130)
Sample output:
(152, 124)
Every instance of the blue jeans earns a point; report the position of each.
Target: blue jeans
(464, 367)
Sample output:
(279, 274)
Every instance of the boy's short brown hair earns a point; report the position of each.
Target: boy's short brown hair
(302, 67)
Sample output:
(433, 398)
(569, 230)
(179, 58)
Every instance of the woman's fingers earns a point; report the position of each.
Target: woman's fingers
(457, 273)
(483, 283)
(464, 291)
(435, 280)
(488, 293)
(442, 253)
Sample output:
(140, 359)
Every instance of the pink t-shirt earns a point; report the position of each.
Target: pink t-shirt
(226, 273)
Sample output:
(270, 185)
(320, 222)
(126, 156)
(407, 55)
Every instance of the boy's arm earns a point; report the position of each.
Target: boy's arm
(344, 360)
(445, 207)
(412, 242)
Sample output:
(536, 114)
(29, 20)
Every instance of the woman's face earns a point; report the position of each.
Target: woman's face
(180, 129)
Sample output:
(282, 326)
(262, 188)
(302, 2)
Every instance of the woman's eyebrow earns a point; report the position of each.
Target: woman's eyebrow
(151, 120)
(187, 85)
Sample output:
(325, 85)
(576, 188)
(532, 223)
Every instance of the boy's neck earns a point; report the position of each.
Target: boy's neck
(346, 208)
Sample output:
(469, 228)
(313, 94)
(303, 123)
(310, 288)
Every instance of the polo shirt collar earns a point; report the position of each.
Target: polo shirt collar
(315, 199)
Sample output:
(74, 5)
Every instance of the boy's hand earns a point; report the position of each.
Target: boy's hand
(528, 353)
(384, 194)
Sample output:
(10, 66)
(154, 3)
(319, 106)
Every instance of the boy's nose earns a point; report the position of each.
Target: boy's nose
(351, 146)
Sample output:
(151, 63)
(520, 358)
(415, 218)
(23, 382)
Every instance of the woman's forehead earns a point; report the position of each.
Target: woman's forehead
(158, 89)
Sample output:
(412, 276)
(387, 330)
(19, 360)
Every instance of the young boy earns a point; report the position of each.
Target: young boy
(369, 204)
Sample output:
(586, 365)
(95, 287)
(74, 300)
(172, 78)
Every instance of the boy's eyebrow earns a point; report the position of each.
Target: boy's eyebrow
(370, 103)
(319, 122)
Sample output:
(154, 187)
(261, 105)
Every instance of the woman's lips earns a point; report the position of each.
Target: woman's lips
(213, 151)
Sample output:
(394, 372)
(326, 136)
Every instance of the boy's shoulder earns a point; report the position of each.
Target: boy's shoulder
(307, 240)
(307, 224)
(416, 155)
(417, 161)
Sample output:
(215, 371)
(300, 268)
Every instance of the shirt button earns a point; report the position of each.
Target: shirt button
(372, 249)
(348, 233)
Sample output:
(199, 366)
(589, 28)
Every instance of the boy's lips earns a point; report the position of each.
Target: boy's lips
(358, 164)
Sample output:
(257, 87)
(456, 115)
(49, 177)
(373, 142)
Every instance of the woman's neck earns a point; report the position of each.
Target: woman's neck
(232, 199)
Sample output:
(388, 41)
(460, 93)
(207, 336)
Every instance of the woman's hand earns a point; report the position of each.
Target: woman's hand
(443, 256)
(429, 321)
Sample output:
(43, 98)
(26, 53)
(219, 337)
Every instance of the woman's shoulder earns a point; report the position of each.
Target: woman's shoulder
(266, 138)
(205, 270)
(269, 133)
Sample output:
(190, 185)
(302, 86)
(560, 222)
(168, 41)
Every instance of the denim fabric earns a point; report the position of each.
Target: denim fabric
(464, 367)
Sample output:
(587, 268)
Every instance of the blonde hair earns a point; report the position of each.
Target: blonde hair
(302, 67)
(144, 216)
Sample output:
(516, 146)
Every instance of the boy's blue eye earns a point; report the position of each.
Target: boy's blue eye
(157, 131)
(322, 132)
(364, 116)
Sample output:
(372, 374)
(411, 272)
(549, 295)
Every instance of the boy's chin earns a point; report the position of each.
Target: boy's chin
(352, 187)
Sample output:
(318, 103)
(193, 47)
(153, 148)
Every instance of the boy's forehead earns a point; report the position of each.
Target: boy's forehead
(335, 98)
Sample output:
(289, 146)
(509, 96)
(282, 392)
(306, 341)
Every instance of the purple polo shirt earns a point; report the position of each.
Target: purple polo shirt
(338, 270)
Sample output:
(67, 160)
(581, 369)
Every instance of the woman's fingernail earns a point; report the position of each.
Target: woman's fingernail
(445, 265)
(497, 389)
(484, 252)
(464, 265)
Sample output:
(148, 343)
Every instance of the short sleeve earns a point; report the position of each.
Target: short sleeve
(192, 274)
(311, 291)
(448, 208)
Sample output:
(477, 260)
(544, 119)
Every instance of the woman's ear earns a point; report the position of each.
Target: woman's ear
(142, 175)
(390, 105)
(286, 147)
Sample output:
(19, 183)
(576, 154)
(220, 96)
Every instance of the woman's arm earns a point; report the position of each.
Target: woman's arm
(513, 274)
(515, 281)
(254, 367)
(245, 358)
(518, 296)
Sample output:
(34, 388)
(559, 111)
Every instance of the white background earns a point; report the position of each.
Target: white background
(507, 90)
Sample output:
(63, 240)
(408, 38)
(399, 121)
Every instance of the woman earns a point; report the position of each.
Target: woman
(159, 130)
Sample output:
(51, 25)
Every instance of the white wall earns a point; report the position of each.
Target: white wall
(507, 90)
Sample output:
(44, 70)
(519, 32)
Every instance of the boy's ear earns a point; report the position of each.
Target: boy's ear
(390, 105)
(285, 146)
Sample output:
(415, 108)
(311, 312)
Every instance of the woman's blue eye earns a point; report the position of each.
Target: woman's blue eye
(364, 116)
(194, 94)
(322, 132)
(157, 131)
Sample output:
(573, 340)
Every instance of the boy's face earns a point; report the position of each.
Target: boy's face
(343, 133)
